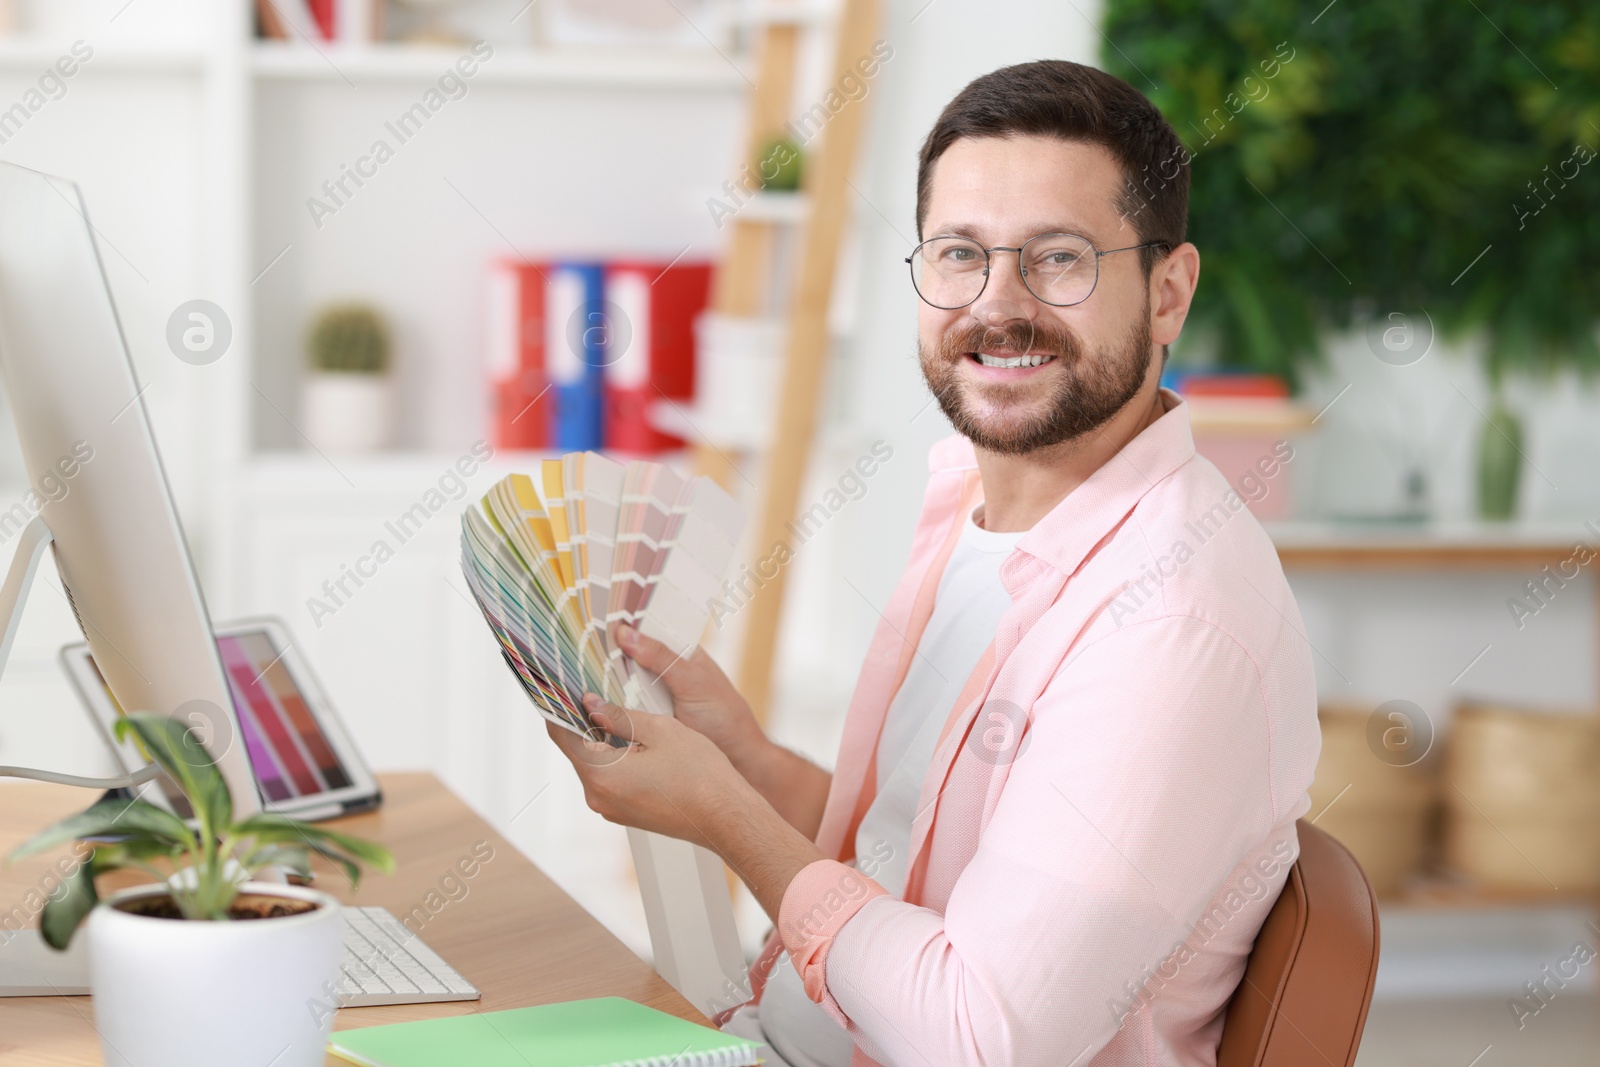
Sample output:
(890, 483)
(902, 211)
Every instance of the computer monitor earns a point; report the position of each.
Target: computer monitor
(112, 525)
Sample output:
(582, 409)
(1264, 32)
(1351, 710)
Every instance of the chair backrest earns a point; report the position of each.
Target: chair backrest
(1307, 986)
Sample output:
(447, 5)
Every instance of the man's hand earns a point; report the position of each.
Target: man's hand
(705, 701)
(669, 779)
(702, 696)
(673, 780)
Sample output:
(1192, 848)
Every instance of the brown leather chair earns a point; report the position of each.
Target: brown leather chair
(1306, 989)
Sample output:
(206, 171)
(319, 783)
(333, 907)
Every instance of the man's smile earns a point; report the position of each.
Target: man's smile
(1005, 365)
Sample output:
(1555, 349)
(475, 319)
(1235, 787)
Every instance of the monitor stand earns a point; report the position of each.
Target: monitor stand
(36, 537)
(29, 967)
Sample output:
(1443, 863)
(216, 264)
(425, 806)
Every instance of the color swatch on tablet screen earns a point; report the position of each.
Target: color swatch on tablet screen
(289, 753)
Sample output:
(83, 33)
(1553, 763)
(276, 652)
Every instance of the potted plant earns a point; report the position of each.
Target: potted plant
(182, 974)
(349, 398)
(780, 166)
(1448, 183)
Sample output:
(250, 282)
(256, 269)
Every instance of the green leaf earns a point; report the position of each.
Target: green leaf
(293, 857)
(137, 849)
(373, 855)
(175, 748)
(346, 851)
(70, 904)
(121, 816)
(352, 870)
(367, 852)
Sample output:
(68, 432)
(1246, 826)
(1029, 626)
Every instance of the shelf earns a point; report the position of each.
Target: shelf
(784, 209)
(303, 473)
(1457, 544)
(32, 55)
(738, 435)
(617, 68)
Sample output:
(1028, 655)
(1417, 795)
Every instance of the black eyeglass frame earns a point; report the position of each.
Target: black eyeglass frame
(988, 263)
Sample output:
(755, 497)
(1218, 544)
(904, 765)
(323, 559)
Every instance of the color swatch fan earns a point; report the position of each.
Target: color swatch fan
(555, 565)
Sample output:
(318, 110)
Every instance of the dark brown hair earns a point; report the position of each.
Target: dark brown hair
(1055, 98)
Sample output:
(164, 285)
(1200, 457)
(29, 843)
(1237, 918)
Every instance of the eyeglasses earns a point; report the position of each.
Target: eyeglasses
(1061, 269)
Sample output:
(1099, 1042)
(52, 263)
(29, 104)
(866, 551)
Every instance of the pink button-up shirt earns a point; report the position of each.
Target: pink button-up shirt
(1109, 814)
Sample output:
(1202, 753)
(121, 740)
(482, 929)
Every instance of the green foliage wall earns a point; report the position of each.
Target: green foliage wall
(1359, 161)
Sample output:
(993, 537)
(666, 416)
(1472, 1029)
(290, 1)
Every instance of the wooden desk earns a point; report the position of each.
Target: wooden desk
(514, 934)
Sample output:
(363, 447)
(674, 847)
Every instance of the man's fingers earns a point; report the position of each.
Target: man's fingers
(615, 720)
(586, 755)
(647, 652)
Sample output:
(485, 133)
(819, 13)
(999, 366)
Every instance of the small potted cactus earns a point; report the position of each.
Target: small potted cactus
(349, 397)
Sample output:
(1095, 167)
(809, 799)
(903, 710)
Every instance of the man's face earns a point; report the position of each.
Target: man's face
(1096, 355)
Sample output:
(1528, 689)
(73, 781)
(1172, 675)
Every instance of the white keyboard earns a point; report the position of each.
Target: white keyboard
(384, 963)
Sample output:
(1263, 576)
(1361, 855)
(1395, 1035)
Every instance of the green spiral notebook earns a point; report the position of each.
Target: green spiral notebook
(605, 1032)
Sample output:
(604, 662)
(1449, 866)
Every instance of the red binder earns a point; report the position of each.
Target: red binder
(651, 356)
(326, 17)
(520, 400)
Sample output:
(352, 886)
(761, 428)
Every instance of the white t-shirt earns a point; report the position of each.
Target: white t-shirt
(966, 613)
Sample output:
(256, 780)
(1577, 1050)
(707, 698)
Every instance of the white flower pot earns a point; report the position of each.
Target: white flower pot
(199, 994)
(348, 412)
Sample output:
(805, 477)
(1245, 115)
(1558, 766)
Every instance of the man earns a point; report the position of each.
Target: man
(1066, 792)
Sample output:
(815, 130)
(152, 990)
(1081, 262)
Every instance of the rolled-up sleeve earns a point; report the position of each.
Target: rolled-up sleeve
(817, 903)
(1143, 782)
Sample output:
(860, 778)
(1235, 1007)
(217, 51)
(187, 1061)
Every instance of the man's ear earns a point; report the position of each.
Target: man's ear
(1172, 284)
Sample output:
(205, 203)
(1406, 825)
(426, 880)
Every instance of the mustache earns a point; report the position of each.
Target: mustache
(1016, 335)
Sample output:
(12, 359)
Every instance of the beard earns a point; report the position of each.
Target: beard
(1087, 390)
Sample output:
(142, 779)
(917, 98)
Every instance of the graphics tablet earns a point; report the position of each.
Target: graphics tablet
(305, 763)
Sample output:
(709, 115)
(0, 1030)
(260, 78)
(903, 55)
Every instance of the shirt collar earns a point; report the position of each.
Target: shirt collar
(1087, 514)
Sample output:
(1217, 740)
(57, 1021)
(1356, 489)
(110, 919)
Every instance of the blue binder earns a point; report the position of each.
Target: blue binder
(575, 353)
